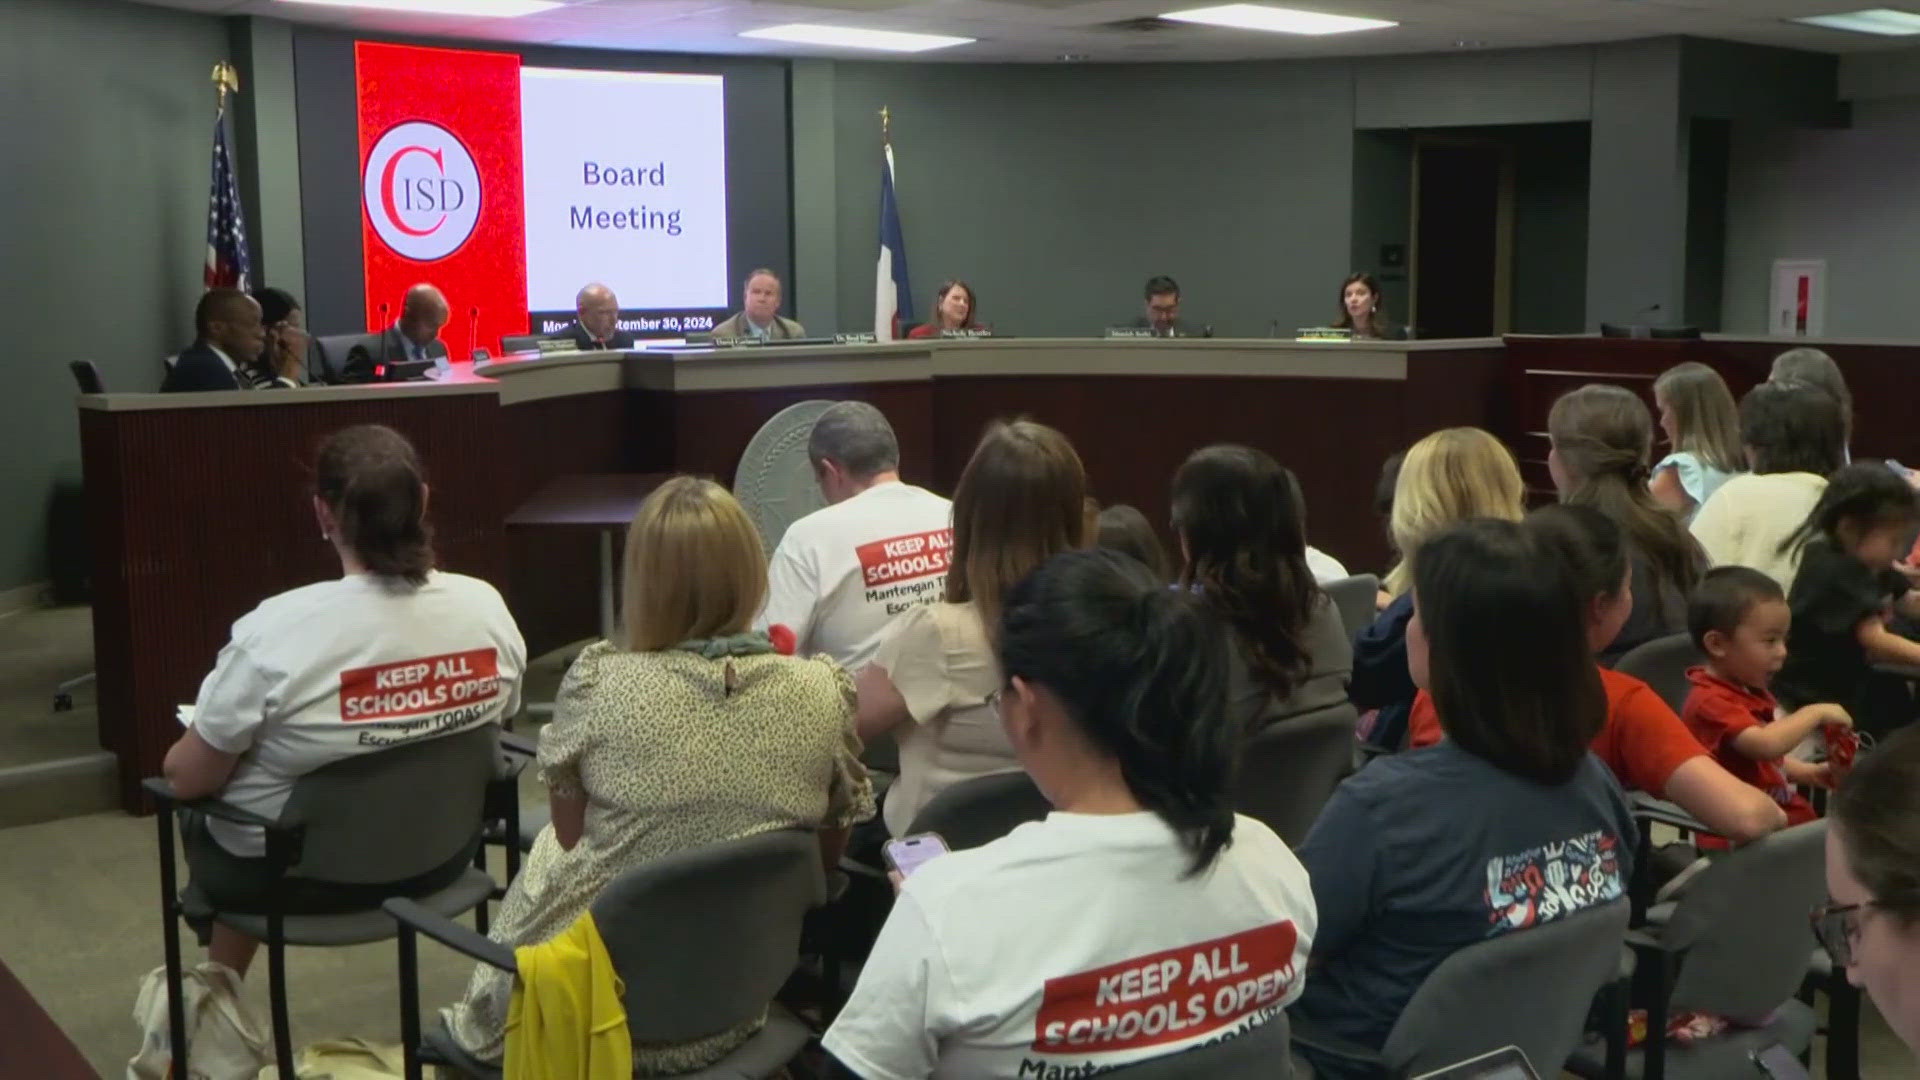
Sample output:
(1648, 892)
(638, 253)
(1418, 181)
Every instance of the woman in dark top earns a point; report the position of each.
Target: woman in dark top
(1425, 853)
(1360, 310)
(1842, 595)
(1238, 516)
(1602, 441)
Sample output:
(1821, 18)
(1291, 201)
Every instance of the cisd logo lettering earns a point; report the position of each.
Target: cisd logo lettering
(422, 190)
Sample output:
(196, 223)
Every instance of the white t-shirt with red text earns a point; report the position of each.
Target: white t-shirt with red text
(1074, 945)
(347, 667)
(844, 571)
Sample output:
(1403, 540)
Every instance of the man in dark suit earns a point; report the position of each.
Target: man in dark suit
(1163, 310)
(229, 338)
(596, 323)
(415, 335)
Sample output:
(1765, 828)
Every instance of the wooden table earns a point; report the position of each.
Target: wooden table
(33, 1045)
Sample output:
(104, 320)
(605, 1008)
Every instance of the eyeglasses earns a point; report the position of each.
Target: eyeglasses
(1837, 927)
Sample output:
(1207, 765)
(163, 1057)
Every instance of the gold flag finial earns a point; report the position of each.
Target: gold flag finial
(886, 124)
(226, 80)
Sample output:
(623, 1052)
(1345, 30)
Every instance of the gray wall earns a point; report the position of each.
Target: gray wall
(1846, 195)
(1057, 191)
(108, 116)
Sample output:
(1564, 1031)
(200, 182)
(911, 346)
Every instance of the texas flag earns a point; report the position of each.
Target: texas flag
(892, 296)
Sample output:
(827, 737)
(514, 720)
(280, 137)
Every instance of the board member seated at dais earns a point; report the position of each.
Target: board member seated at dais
(299, 684)
(761, 319)
(953, 307)
(1162, 315)
(229, 338)
(596, 322)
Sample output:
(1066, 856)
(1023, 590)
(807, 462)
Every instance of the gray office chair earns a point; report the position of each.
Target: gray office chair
(982, 810)
(1257, 1054)
(701, 940)
(1734, 944)
(1290, 768)
(1354, 596)
(357, 821)
(1531, 988)
(1662, 664)
(332, 351)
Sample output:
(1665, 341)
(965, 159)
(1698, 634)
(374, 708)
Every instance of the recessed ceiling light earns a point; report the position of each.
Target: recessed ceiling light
(1276, 19)
(500, 9)
(1885, 21)
(853, 37)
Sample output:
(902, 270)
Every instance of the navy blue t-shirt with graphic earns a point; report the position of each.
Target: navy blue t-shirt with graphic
(1424, 853)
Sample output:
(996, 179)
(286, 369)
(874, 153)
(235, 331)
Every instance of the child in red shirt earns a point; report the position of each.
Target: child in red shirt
(1738, 617)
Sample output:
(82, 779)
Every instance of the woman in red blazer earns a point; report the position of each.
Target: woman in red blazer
(952, 310)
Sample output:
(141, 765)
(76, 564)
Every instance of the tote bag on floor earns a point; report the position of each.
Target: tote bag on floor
(225, 1041)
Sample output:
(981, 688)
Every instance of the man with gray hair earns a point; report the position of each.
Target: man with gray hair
(880, 547)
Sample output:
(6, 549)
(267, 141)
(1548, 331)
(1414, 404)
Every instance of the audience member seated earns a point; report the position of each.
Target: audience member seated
(760, 319)
(296, 686)
(1871, 925)
(596, 321)
(1602, 437)
(1383, 486)
(283, 361)
(1125, 529)
(1644, 742)
(1422, 854)
(993, 959)
(1448, 477)
(953, 309)
(1793, 436)
(1843, 594)
(229, 338)
(1238, 516)
(1360, 310)
(1813, 367)
(1702, 426)
(880, 546)
(1738, 619)
(1019, 502)
(689, 730)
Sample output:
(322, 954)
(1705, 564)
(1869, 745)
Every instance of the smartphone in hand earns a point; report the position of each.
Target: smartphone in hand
(910, 853)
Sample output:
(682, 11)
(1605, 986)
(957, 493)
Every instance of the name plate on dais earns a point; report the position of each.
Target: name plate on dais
(866, 338)
(1130, 332)
(969, 333)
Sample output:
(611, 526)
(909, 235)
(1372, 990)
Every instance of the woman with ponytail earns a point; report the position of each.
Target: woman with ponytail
(1426, 852)
(300, 684)
(991, 963)
(1602, 439)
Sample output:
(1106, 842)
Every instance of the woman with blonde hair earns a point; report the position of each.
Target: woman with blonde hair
(1702, 426)
(1020, 502)
(1451, 476)
(687, 729)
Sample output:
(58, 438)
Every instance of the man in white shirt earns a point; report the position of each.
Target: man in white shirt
(843, 572)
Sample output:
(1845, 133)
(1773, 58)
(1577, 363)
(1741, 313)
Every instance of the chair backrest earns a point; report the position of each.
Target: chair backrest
(1528, 988)
(982, 810)
(1354, 597)
(1662, 664)
(1290, 767)
(393, 814)
(87, 377)
(519, 343)
(704, 938)
(334, 348)
(1743, 922)
(1261, 1053)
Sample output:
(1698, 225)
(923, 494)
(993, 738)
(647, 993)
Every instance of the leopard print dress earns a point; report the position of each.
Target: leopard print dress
(672, 750)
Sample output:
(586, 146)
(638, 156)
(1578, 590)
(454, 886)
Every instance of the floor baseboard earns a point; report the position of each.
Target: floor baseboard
(24, 597)
(46, 791)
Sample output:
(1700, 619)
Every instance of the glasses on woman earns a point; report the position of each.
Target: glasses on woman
(1837, 927)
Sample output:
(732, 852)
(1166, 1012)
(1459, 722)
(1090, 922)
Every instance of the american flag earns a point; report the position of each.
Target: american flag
(227, 263)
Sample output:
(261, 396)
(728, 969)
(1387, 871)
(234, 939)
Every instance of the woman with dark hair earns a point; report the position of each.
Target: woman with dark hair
(1871, 925)
(298, 685)
(1020, 500)
(1360, 301)
(953, 309)
(1237, 514)
(1602, 438)
(1424, 853)
(993, 961)
(1794, 435)
(284, 359)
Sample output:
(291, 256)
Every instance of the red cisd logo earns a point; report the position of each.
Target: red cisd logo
(421, 190)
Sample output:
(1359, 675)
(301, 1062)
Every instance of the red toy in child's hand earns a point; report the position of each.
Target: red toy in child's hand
(1843, 744)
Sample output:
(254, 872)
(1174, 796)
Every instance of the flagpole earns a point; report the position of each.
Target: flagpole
(226, 80)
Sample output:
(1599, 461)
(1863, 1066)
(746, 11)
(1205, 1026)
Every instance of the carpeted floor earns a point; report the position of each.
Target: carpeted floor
(40, 649)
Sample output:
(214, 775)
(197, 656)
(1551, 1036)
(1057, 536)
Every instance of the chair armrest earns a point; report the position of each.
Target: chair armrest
(162, 793)
(411, 915)
(1310, 1036)
(519, 745)
(1647, 808)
